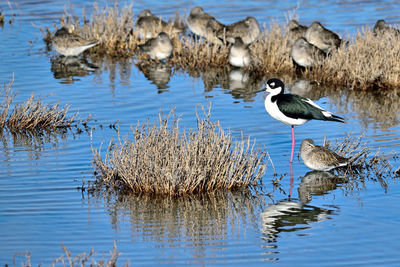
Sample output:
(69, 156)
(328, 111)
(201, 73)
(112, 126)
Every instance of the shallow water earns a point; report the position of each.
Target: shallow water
(322, 224)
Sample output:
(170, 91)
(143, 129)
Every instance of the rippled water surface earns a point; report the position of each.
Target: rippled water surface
(305, 223)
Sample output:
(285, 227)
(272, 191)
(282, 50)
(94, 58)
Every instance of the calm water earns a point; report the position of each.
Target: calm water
(322, 224)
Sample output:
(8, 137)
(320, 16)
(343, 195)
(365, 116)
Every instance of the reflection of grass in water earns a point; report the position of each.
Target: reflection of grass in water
(162, 159)
(80, 259)
(32, 114)
(369, 62)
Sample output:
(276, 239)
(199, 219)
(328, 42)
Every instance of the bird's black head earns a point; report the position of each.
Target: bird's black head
(275, 86)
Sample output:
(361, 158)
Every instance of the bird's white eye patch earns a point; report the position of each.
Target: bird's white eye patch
(273, 84)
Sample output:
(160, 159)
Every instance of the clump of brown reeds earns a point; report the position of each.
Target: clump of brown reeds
(81, 259)
(163, 160)
(367, 164)
(33, 114)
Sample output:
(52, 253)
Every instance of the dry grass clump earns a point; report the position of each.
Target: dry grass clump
(162, 160)
(367, 164)
(81, 259)
(32, 114)
(369, 62)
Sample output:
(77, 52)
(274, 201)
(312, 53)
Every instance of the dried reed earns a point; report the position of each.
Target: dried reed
(32, 114)
(161, 160)
(82, 259)
(366, 164)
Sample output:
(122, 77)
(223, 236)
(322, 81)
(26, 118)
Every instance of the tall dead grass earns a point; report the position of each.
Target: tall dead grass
(165, 160)
(32, 114)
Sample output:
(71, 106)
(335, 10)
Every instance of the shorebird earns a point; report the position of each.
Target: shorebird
(305, 54)
(381, 28)
(197, 21)
(239, 54)
(159, 47)
(321, 37)
(212, 27)
(320, 158)
(293, 109)
(248, 29)
(149, 25)
(69, 44)
(295, 31)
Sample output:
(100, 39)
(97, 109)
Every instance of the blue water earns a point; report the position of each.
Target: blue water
(41, 207)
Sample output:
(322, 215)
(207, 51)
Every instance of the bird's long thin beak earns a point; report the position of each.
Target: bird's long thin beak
(261, 90)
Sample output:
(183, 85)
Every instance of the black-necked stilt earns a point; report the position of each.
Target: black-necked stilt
(69, 44)
(159, 47)
(305, 54)
(293, 109)
(248, 29)
(381, 28)
(320, 158)
(239, 54)
(149, 25)
(321, 37)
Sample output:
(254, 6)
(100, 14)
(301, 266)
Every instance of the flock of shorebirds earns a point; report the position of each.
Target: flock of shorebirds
(309, 46)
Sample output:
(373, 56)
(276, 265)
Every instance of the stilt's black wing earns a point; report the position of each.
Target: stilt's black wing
(297, 107)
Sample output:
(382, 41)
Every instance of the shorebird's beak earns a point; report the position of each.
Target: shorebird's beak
(261, 90)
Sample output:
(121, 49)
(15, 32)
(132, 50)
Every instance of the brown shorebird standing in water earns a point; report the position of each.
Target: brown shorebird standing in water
(239, 54)
(69, 44)
(149, 25)
(320, 158)
(159, 47)
(247, 29)
(322, 38)
(305, 54)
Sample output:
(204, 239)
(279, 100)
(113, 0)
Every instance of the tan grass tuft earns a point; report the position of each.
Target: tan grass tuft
(32, 114)
(162, 160)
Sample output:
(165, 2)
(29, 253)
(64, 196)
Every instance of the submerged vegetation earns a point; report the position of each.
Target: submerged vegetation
(33, 114)
(366, 61)
(166, 160)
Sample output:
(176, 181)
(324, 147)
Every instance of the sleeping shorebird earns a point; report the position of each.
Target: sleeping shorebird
(248, 29)
(293, 109)
(294, 31)
(305, 54)
(382, 28)
(322, 38)
(69, 44)
(159, 47)
(149, 25)
(202, 23)
(320, 158)
(239, 54)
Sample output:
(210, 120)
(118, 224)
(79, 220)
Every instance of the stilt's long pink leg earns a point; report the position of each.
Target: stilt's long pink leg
(291, 155)
(291, 180)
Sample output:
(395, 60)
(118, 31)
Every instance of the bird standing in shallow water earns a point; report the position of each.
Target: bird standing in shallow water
(69, 44)
(293, 109)
(320, 158)
(239, 54)
(159, 47)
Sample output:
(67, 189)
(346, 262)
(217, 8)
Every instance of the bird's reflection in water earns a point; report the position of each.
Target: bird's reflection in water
(158, 73)
(241, 84)
(318, 183)
(66, 68)
(291, 216)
